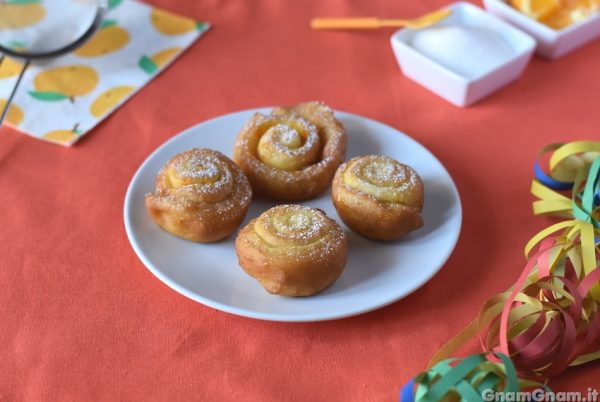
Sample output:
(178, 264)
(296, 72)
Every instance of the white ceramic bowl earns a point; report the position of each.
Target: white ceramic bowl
(551, 43)
(455, 88)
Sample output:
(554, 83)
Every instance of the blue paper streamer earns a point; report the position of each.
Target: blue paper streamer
(548, 181)
(406, 393)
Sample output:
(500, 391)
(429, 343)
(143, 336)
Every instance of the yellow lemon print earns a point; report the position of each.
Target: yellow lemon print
(20, 13)
(152, 64)
(108, 39)
(109, 99)
(9, 68)
(63, 136)
(172, 24)
(163, 57)
(61, 83)
(15, 114)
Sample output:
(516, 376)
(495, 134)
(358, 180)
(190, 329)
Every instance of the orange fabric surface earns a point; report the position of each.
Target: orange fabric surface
(82, 319)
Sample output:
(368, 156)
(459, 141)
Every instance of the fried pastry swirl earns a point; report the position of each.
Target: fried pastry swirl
(292, 250)
(201, 195)
(292, 153)
(378, 197)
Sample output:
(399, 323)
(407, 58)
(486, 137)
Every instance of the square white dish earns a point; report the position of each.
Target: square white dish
(551, 43)
(455, 88)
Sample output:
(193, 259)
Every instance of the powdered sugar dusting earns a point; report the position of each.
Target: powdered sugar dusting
(330, 152)
(202, 182)
(288, 136)
(297, 222)
(289, 144)
(198, 166)
(289, 227)
(384, 172)
(384, 179)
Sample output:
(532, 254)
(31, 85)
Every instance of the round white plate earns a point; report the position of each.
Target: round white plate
(376, 274)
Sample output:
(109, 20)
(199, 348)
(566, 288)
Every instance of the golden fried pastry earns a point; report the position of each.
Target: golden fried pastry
(292, 153)
(292, 250)
(378, 197)
(201, 195)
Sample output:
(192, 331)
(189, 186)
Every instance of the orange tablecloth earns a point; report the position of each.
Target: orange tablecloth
(82, 319)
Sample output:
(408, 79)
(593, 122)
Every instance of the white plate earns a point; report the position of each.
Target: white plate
(376, 274)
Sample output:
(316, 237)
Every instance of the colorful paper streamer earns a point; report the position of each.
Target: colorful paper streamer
(546, 322)
(550, 318)
(465, 379)
(583, 206)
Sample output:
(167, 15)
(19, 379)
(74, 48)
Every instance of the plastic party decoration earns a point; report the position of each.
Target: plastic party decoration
(550, 318)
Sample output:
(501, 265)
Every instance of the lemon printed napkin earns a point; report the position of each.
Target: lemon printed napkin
(62, 99)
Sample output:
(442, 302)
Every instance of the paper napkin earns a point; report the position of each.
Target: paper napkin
(63, 99)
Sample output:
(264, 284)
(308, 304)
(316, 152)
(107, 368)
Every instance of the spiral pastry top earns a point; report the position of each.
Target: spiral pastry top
(292, 153)
(292, 250)
(201, 195)
(378, 197)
